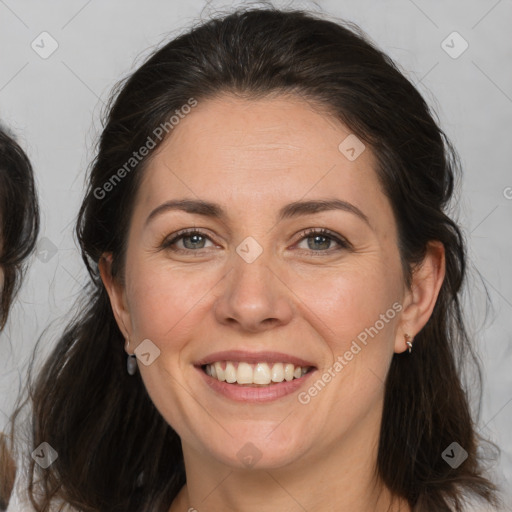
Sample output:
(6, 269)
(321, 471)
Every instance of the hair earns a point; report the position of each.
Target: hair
(116, 452)
(7, 471)
(19, 227)
(19, 218)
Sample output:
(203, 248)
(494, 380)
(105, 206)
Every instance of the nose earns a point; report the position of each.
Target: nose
(253, 298)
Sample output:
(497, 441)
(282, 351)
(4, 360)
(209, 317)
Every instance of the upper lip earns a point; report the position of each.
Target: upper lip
(253, 357)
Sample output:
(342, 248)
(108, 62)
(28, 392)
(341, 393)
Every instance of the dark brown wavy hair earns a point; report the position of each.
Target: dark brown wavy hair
(19, 218)
(116, 452)
(19, 227)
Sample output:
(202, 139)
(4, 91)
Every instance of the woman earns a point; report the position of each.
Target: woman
(19, 219)
(19, 226)
(273, 319)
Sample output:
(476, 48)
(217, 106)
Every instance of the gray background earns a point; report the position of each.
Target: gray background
(53, 106)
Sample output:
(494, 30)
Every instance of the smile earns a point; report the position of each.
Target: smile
(245, 376)
(259, 374)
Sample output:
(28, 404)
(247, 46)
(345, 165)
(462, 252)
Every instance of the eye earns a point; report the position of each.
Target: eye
(192, 239)
(318, 241)
(321, 240)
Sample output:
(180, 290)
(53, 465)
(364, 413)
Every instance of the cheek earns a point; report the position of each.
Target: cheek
(164, 302)
(340, 302)
(355, 312)
(349, 301)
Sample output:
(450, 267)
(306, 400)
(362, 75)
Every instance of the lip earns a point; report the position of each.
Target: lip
(255, 394)
(253, 357)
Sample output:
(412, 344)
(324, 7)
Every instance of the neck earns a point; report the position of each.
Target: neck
(342, 475)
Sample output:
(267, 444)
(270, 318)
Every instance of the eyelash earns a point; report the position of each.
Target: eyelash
(308, 233)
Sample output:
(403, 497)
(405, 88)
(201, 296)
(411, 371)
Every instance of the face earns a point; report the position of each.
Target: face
(262, 283)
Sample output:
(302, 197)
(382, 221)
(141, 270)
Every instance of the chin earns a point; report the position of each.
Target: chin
(256, 451)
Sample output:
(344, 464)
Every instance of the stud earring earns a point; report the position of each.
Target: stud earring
(131, 361)
(408, 342)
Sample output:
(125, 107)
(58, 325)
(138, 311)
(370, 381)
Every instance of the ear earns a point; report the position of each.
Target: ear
(420, 299)
(116, 293)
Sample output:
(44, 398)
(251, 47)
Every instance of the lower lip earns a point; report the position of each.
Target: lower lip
(255, 394)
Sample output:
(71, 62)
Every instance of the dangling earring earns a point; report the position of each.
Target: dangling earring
(131, 361)
(408, 342)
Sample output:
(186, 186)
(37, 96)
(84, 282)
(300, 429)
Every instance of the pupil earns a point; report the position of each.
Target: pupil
(194, 238)
(326, 243)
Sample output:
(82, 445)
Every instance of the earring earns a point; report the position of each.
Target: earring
(131, 361)
(408, 342)
(131, 364)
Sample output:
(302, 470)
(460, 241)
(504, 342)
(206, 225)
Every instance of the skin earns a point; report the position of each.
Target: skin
(252, 158)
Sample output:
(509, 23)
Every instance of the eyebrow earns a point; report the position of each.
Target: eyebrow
(295, 209)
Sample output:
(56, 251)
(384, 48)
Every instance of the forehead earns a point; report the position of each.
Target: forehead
(254, 152)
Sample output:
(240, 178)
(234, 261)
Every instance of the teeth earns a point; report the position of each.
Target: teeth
(261, 374)
(220, 372)
(278, 372)
(230, 372)
(244, 373)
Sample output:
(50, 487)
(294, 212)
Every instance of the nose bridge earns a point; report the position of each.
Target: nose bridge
(253, 297)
